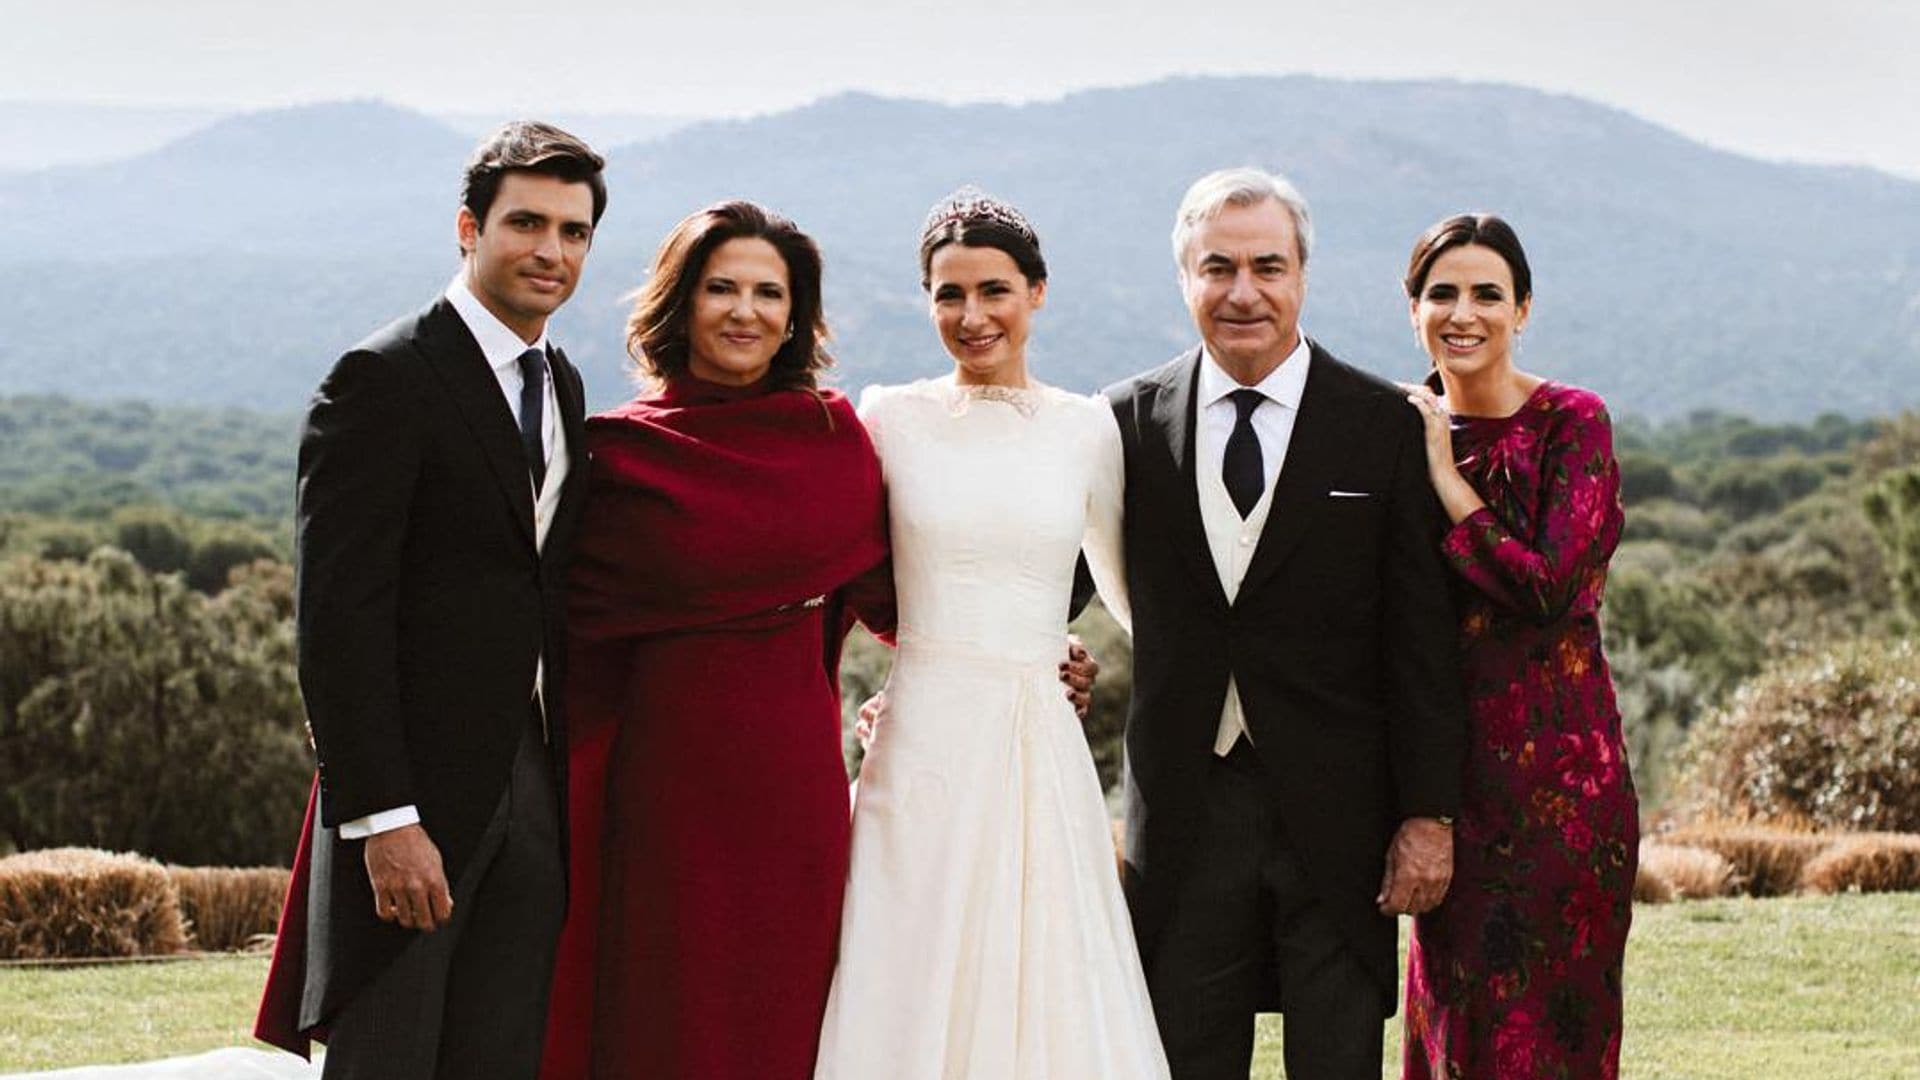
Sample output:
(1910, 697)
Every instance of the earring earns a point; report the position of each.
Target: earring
(789, 334)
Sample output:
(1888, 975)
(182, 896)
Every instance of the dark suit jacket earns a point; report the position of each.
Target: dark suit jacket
(1342, 642)
(422, 607)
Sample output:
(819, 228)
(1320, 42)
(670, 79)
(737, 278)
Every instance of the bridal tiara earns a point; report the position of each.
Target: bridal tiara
(969, 204)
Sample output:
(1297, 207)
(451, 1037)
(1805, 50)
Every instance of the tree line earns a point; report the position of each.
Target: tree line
(148, 699)
(84, 460)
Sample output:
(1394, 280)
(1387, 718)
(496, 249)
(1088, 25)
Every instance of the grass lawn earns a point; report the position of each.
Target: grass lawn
(110, 1013)
(1825, 986)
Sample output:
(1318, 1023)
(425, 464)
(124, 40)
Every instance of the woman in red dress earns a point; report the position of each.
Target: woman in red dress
(1517, 973)
(736, 511)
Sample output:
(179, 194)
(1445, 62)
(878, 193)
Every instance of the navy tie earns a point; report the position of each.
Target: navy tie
(1240, 467)
(533, 406)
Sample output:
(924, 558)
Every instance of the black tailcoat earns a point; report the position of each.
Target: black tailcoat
(423, 605)
(1342, 642)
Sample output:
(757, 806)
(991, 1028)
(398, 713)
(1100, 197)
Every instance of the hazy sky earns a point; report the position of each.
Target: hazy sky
(1811, 80)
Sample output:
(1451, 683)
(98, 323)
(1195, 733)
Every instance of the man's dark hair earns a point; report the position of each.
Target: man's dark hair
(530, 146)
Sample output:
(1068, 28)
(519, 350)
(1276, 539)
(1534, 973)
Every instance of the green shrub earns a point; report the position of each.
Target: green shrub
(1893, 507)
(139, 715)
(1830, 740)
(159, 539)
(1644, 475)
(1677, 523)
(77, 902)
(221, 549)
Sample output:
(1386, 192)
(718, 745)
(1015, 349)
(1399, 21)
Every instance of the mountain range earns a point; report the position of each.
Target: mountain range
(230, 265)
(39, 134)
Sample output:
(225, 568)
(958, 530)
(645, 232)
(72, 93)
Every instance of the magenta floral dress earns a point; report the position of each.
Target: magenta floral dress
(1517, 975)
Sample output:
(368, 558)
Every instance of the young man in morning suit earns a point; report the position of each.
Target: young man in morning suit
(1296, 732)
(441, 477)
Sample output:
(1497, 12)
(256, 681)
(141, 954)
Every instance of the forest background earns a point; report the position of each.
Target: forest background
(146, 650)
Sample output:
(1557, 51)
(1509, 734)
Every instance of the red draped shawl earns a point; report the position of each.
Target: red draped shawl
(710, 503)
(710, 507)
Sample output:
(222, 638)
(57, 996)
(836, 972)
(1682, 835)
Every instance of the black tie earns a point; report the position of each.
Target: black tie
(1240, 468)
(533, 405)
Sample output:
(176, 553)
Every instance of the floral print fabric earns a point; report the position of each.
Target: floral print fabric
(1517, 974)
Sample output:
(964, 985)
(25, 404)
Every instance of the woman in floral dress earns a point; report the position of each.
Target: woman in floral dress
(1517, 973)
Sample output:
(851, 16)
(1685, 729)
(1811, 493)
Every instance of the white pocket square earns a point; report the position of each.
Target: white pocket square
(1349, 494)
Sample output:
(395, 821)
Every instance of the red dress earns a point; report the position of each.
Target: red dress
(709, 817)
(1517, 974)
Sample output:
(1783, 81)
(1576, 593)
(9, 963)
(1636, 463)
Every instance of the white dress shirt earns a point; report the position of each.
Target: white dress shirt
(1231, 539)
(502, 348)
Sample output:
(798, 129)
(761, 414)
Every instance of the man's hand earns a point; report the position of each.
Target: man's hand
(1078, 671)
(409, 884)
(1419, 868)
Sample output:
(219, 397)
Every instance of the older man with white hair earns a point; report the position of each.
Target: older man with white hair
(1297, 730)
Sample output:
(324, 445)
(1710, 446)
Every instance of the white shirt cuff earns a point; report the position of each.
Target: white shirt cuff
(384, 821)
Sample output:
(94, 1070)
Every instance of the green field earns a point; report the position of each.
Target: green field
(1715, 989)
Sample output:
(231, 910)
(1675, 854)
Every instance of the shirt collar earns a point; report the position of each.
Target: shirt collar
(501, 346)
(1282, 386)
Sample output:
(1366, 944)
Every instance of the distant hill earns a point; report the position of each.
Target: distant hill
(38, 134)
(232, 265)
(602, 129)
(350, 178)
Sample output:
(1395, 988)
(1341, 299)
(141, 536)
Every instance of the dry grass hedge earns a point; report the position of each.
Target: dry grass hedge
(227, 908)
(80, 902)
(1671, 871)
(1767, 860)
(1869, 862)
(1650, 886)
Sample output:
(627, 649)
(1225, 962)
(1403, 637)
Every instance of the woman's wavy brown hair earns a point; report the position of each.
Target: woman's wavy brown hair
(657, 330)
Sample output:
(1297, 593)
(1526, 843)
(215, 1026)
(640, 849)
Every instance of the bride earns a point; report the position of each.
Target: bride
(984, 932)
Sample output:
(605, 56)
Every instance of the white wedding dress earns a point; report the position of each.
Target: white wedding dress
(985, 935)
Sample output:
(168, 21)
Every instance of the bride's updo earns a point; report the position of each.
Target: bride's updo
(972, 218)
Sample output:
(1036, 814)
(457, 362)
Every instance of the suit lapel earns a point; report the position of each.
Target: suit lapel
(460, 365)
(1313, 450)
(1174, 417)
